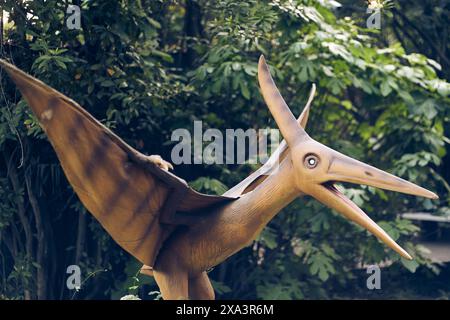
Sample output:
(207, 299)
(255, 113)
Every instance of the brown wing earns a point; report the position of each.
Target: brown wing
(129, 195)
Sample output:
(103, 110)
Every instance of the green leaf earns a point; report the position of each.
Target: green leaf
(411, 265)
(385, 88)
(269, 238)
(244, 90)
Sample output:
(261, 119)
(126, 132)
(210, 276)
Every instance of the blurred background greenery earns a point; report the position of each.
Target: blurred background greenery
(147, 67)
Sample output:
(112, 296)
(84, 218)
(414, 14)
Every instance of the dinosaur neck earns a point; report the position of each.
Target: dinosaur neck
(259, 206)
(217, 236)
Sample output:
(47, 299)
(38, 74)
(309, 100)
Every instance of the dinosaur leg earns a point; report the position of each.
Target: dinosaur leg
(173, 284)
(200, 288)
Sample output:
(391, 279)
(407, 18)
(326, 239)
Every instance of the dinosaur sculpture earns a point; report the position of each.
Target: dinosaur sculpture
(176, 232)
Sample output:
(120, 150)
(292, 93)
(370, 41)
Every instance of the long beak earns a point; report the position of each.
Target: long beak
(333, 198)
(346, 169)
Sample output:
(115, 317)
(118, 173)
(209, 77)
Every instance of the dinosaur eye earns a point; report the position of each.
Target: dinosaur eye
(311, 161)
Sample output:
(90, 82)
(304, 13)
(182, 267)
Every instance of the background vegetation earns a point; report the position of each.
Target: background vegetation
(145, 68)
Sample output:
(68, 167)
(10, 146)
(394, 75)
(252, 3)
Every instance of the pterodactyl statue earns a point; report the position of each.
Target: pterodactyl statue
(176, 232)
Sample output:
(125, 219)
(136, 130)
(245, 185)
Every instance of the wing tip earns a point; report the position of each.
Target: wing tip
(20, 77)
(263, 68)
(9, 68)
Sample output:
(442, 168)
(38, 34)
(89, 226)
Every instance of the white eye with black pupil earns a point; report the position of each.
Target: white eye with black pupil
(311, 161)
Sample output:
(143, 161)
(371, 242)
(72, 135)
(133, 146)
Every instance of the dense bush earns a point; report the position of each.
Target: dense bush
(145, 68)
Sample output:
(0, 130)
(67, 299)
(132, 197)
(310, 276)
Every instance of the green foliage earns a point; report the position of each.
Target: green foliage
(144, 68)
(209, 185)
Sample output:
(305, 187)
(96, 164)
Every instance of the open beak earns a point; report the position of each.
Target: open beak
(346, 169)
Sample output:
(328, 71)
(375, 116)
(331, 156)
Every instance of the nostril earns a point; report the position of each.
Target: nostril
(368, 173)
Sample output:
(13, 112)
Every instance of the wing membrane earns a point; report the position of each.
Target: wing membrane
(126, 193)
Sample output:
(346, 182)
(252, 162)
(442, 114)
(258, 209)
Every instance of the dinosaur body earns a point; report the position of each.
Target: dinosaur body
(176, 232)
(219, 234)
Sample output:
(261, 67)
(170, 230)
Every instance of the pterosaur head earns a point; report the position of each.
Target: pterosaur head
(317, 167)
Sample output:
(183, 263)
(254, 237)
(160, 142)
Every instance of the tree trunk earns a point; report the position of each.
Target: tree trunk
(193, 28)
(41, 278)
(13, 177)
(81, 236)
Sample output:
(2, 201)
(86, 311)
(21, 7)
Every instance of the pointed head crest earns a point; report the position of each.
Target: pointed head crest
(283, 116)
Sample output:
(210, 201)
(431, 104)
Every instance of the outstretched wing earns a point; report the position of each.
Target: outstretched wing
(132, 197)
(254, 179)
